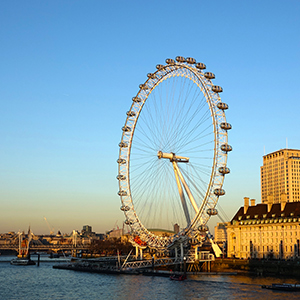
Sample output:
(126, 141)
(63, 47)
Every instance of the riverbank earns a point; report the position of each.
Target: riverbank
(259, 266)
(95, 268)
(275, 268)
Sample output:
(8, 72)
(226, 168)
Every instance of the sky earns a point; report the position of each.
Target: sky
(69, 69)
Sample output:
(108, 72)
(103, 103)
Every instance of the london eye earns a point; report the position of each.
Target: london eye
(173, 153)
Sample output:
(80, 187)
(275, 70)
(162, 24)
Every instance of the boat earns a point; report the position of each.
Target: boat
(282, 287)
(178, 277)
(23, 258)
(22, 261)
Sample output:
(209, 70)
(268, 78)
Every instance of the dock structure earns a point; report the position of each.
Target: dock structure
(164, 266)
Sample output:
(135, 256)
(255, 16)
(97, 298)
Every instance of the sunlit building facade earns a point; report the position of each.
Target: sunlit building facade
(265, 230)
(280, 176)
(271, 228)
(221, 232)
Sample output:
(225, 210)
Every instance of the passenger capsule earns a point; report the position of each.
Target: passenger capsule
(200, 66)
(217, 89)
(180, 59)
(193, 241)
(136, 99)
(131, 113)
(190, 60)
(121, 161)
(224, 170)
(151, 75)
(125, 208)
(203, 228)
(126, 128)
(159, 67)
(219, 192)
(170, 61)
(222, 105)
(225, 126)
(209, 75)
(143, 86)
(226, 148)
(123, 145)
(122, 193)
(121, 177)
(128, 222)
(212, 212)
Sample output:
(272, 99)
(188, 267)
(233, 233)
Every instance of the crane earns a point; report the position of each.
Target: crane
(51, 230)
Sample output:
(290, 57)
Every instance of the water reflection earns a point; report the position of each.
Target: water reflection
(44, 282)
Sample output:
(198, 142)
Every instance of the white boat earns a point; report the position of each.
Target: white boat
(22, 261)
(23, 258)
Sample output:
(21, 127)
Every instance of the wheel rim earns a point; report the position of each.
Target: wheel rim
(175, 111)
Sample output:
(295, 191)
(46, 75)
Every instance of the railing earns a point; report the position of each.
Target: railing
(45, 247)
(165, 261)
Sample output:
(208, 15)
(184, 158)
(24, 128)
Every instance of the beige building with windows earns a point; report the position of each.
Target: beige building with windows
(280, 176)
(271, 228)
(221, 232)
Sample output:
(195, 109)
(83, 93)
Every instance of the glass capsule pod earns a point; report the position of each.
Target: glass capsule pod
(225, 126)
(128, 222)
(136, 99)
(125, 208)
(212, 212)
(122, 193)
(121, 161)
(222, 105)
(180, 59)
(159, 67)
(193, 241)
(190, 60)
(217, 89)
(131, 113)
(123, 145)
(226, 148)
(170, 61)
(209, 75)
(200, 66)
(143, 86)
(121, 177)
(224, 170)
(126, 128)
(219, 192)
(203, 228)
(151, 75)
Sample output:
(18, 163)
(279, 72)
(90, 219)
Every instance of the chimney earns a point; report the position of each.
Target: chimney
(252, 201)
(270, 202)
(282, 205)
(246, 204)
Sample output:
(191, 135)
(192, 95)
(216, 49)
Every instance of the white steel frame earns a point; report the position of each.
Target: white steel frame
(220, 157)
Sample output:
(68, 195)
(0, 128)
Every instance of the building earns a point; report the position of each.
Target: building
(86, 229)
(265, 230)
(280, 176)
(221, 233)
(271, 228)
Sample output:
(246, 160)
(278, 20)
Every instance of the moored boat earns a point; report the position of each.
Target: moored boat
(178, 277)
(282, 287)
(22, 261)
(23, 258)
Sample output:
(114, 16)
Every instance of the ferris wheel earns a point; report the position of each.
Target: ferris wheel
(173, 153)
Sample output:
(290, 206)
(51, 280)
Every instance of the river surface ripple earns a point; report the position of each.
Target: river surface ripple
(44, 282)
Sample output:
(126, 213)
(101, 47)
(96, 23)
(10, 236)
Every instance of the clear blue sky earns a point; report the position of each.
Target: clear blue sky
(69, 69)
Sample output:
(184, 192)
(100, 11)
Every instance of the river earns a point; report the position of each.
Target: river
(44, 282)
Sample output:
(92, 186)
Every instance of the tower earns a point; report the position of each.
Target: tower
(280, 176)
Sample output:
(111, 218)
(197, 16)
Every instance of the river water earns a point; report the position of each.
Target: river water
(44, 282)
